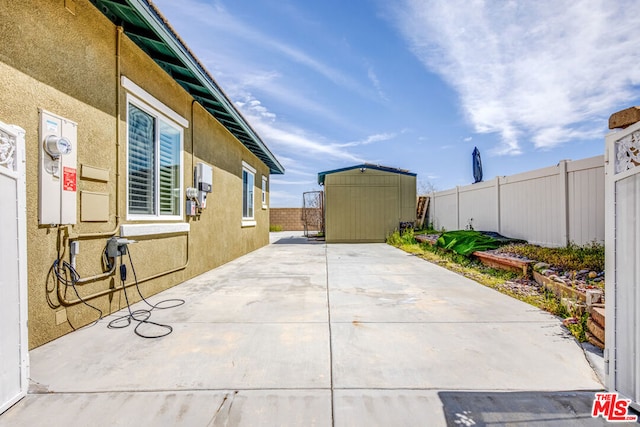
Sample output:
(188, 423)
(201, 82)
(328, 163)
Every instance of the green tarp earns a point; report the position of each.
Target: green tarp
(466, 242)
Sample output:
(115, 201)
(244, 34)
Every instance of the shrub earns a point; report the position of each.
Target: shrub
(396, 239)
(571, 257)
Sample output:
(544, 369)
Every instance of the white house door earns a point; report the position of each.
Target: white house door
(622, 246)
(13, 263)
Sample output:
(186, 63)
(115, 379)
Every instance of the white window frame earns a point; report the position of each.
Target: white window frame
(249, 221)
(150, 105)
(264, 192)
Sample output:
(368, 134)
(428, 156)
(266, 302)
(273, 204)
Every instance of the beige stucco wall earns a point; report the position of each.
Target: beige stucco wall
(66, 63)
(362, 207)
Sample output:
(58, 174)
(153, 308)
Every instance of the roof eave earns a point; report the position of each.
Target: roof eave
(153, 18)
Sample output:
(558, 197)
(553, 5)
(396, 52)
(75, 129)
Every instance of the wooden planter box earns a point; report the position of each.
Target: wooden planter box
(595, 325)
(504, 263)
(561, 290)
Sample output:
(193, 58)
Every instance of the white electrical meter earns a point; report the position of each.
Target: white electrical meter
(58, 169)
(57, 146)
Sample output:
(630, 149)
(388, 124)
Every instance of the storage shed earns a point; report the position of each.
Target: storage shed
(365, 203)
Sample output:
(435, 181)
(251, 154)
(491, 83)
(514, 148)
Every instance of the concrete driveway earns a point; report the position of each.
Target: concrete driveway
(307, 334)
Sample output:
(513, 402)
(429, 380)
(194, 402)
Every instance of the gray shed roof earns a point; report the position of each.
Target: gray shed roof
(321, 175)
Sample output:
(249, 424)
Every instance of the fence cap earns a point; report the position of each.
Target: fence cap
(624, 118)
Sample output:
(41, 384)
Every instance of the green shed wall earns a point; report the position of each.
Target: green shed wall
(365, 207)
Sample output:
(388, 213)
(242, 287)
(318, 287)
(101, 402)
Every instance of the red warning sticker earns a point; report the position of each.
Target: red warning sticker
(69, 179)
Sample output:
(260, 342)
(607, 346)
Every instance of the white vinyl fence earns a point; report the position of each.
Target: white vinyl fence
(552, 206)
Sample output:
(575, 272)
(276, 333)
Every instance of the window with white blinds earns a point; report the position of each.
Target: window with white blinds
(264, 192)
(154, 164)
(248, 176)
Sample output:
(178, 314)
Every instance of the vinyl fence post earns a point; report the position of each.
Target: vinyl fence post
(498, 230)
(458, 207)
(564, 202)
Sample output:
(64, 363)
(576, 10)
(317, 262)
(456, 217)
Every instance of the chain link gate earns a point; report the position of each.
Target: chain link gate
(313, 213)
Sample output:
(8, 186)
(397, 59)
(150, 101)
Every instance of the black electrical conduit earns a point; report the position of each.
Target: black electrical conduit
(141, 316)
(62, 299)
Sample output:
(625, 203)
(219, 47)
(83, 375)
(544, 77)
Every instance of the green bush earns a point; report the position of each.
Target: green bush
(407, 238)
(275, 228)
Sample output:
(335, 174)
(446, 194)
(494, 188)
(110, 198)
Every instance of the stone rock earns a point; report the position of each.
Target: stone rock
(592, 275)
(593, 296)
(541, 266)
(624, 118)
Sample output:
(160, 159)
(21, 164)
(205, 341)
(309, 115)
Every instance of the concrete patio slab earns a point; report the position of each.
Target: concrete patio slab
(196, 356)
(366, 407)
(303, 333)
(246, 408)
(458, 356)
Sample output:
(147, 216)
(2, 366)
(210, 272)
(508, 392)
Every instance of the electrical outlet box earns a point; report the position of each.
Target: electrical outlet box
(61, 316)
(112, 247)
(191, 208)
(58, 169)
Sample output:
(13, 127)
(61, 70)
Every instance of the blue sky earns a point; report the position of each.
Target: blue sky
(417, 84)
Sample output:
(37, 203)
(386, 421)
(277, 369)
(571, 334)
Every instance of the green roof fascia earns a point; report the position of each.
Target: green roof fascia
(242, 131)
(322, 175)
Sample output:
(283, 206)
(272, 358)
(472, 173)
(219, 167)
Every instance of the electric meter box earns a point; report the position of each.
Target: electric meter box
(204, 182)
(58, 177)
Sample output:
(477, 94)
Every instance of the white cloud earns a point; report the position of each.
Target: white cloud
(546, 71)
(284, 198)
(299, 172)
(291, 182)
(223, 25)
(378, 137)
(289, 139)
(233, 51)
(373, 78)
(270, 85)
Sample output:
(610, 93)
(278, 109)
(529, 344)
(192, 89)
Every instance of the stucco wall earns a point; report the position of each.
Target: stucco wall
(66, 63)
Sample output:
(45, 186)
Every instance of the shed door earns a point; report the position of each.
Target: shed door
(623, 262)
(13, 309)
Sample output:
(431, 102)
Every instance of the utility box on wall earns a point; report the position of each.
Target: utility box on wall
(57, 170)
(204, 183)
(366, 203)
